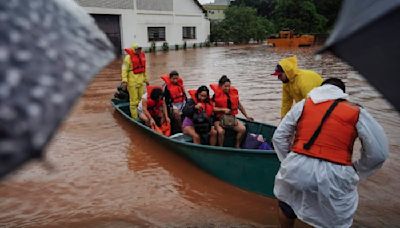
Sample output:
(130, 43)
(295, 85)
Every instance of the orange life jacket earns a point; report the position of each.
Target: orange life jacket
(138, 61)
(164, 129)
(338, 133)
(208, 107)
(176, 91)
(153, 106)
(221, 98)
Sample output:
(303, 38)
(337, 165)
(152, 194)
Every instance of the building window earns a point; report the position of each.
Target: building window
(156, 33)
(189, 33)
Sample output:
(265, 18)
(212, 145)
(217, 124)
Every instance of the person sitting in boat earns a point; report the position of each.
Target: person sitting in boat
(226, 106)
(152, 109)
(198, 112)
(175, 97)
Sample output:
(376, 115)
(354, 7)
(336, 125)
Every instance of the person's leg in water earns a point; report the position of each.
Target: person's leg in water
(286, 215)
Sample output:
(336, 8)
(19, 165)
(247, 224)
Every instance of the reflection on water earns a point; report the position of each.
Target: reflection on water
(107, 174)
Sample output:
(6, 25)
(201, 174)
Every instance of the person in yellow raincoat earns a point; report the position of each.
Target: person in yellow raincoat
(296, 82)
(134, 76)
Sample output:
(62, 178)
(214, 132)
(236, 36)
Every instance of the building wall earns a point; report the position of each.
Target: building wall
(126, 18)
(222, 2)
(156, 5)
(215, 12)
(217, 15)
(110, 4)
(187, 7)
(184, 13)
(154, 13)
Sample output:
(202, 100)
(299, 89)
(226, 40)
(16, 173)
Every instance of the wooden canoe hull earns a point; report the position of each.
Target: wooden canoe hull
(249, 169)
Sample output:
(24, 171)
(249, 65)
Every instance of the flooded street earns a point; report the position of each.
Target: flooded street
(105, 173)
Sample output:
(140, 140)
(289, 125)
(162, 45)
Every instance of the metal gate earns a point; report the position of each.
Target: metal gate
(110, 24)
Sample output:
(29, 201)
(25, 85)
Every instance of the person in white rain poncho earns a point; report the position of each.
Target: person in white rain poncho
(317, 180)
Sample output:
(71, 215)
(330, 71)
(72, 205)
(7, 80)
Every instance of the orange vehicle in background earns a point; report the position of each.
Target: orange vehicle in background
(287, 38)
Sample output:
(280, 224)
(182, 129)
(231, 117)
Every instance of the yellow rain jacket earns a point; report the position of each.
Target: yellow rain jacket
(135, 83)
(300, 83)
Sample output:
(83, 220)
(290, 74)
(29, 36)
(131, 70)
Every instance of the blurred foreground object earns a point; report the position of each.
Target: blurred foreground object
(367, 36)
(49, 51)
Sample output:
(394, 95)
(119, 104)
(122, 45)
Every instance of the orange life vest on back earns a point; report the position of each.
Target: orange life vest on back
(153, 106)
(138, 61)
(221, 98)
(338, 133)
(208, 107)
(164, 129)
(176, 91)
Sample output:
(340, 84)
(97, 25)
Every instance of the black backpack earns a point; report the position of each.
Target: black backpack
(201, 122)
(122, 94)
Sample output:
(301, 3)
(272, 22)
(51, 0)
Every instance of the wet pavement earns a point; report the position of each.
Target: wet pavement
(107, 174)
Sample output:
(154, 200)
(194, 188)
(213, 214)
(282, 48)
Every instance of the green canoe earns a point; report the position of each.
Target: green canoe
(249, 169)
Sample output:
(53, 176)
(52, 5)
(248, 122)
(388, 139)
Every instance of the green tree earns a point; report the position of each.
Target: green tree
(300, 15)
(329, 9)
(241, 24)
(264, 8)
(215, 31)
(297, 12)
(262, 29)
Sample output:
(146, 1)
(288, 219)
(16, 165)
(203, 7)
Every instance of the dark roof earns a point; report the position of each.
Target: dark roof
(201, 7)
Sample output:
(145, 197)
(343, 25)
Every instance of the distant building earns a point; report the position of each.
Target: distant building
(145, 21)
(223, 2)
(215, 11)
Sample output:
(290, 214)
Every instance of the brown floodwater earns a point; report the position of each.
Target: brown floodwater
(102, 172)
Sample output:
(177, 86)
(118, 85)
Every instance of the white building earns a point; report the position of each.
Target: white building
(145, 21)
(223, 2)
(216, 10)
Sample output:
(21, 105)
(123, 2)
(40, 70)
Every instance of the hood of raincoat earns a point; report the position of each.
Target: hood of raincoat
(325, 93)
(134, 46)
(289, 65)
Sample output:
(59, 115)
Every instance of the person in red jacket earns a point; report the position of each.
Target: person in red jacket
(134, 76)
(226, 102)
(175, 96)
(317, 180)
(152, 109)
(198, 122)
